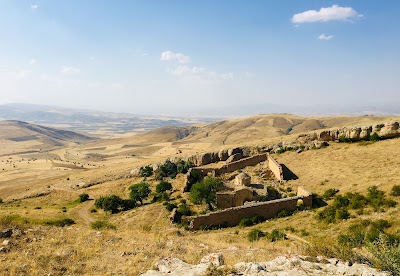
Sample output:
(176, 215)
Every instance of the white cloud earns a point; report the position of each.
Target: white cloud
(171, 56)
(326, 14)
(325, 37)
(199, 73)
(32, 61)
(34, 6)
(70, 70)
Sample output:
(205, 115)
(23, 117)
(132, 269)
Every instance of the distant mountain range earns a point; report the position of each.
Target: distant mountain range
(88, 120)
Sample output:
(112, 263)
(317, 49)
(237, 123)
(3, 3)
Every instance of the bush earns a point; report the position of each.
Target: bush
(386, 256)
(251, 221)
(344, 139)
(146, 171)
(276, 235)
(285, 213)
(60, 223)
(377, 199)
(102, 224)
(194, 177)
(341, 201)
(394, 192)
(170, 206)
(183, 167)
(113, 204)
(83, 197)
(139, 192)
(1, 200)
(184, 210)
(331, 213)
(168, 169)
(163, 186)
(357, 201)
(273, 193)
(328, 194)
(206, 190)
(255, 235)
(374, 137)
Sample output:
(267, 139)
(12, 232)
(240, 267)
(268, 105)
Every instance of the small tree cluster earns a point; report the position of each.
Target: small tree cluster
(113, 204)
(395, 190)
(139, 192)
(206, 190)
(83, 197)
(146, 171)
(339, 208)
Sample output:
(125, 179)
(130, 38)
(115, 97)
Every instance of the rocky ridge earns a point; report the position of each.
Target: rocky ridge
(281, 266)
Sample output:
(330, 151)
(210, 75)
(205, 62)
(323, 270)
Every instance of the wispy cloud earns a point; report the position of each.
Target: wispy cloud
(325, 37)
(34, 6)
(334, 13)
(70, 70)
(171, 56)
(194, 72)
(32, 61)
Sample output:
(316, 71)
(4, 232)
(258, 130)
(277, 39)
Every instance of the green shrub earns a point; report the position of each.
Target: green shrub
(285, 213)
(374, 137)
(60, 222)
(139, 192)
(146, 171)
(114, 204)
(163, 186)
(183, 167)
(206, 190)
(377, 199)
(342, 214)
(276, 235)
(273, 193)
(255, 235)
(184, 210)
(102, 224)
(357, 201)
(328, 194)
(332, 213)
(168, 169)
(170, 206)
(341, 201)
(1, 200)
(386, 256)
(394, 192)
(344, 139)
(194, 177)
(83, 197)
(365, 231)
(251, 221)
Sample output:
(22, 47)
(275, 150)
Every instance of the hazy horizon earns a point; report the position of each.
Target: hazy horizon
(180, 58)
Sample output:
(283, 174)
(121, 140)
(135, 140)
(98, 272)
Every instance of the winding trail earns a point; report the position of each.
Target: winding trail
(84, 212)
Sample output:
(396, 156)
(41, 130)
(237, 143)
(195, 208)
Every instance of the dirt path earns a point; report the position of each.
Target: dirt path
(84, 212)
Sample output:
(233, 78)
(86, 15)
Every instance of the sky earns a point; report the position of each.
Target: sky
(153, 57)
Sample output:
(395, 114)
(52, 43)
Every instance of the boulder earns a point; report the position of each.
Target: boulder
(235, 157)
(223, 155)
(215, 259)
(390, 130)
(234, 151)
(6, 233)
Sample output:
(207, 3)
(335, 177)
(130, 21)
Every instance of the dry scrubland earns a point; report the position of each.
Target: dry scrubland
(144, 235)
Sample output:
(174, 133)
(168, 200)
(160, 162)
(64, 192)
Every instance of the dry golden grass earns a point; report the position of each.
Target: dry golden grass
(144, 233)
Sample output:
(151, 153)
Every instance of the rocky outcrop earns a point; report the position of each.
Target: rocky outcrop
(282, 265)
(385, 131)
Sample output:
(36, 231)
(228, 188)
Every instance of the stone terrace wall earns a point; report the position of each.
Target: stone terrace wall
(276, 168)
(231, 167)
(232, 216)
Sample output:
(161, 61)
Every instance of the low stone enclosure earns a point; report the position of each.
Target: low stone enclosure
(274, 166)
(232, 216)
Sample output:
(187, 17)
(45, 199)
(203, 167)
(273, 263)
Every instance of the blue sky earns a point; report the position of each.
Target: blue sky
(181, 56)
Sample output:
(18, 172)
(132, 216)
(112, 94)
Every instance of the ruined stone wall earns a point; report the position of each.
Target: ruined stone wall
(232, 216)
(276, 168)
(233, 199)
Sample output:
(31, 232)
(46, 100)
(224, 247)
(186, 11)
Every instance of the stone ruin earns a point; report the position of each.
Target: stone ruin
(242, 179)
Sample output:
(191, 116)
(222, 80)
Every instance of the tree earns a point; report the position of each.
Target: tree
(168, 169)
(83, 197)
(183, 167)
(146, 171)
(206, 190)
(374, 137)
(139, 192)
(111, 203)
(163, 186)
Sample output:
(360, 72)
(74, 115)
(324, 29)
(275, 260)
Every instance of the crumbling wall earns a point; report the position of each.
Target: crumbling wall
(232, 216)
(276, 168)
(234, 198)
